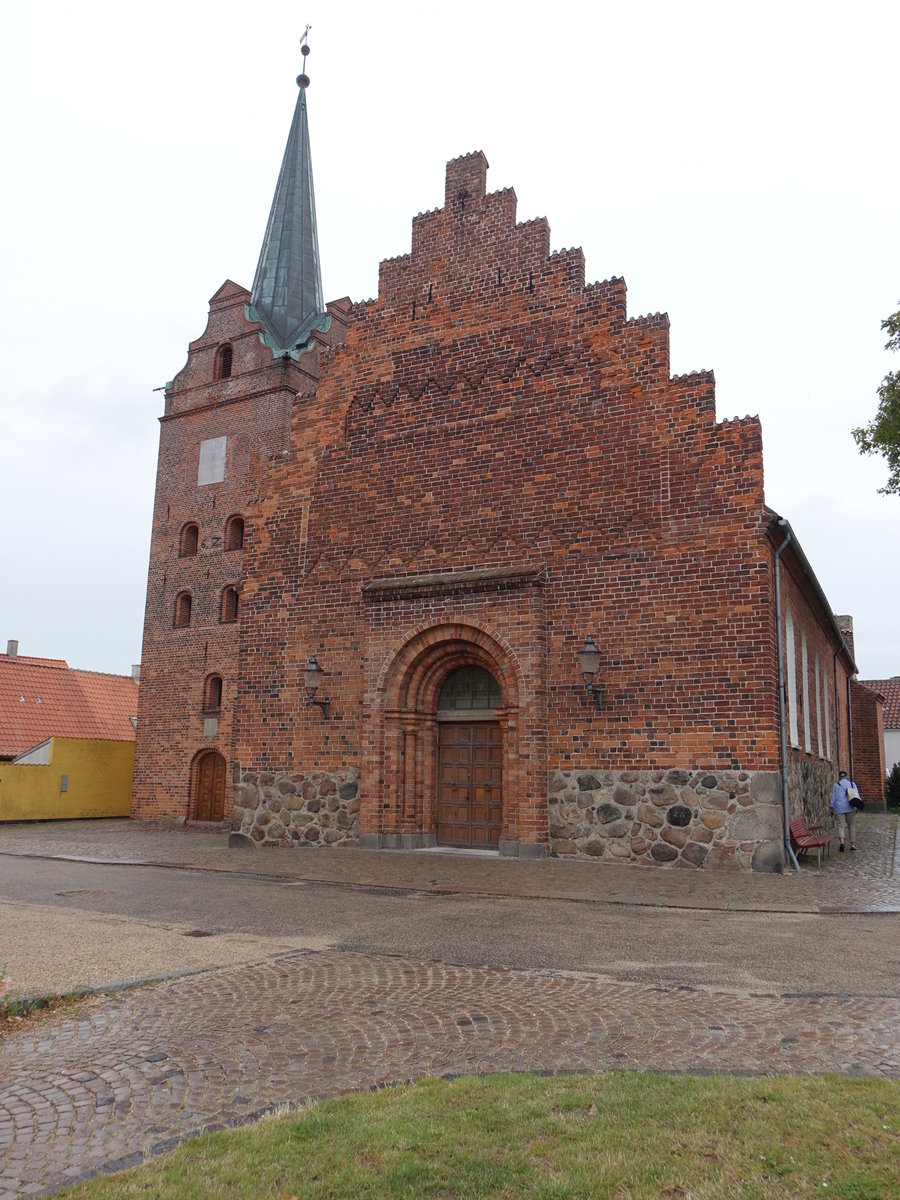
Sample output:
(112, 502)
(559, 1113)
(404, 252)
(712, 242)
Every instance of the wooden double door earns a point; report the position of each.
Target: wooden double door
(470, 784)
(209, 782)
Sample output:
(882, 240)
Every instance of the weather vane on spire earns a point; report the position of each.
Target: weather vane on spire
(303, 78)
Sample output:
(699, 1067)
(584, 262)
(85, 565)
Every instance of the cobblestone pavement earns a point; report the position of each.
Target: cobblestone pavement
(865, 881)
(132, 1074)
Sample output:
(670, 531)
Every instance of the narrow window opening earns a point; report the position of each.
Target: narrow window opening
(226, 355)
(212, 693)
(804, 664)
(182, 610)
(229, 604)
(190, 539)
(820, 745)
(234, 534)
(790, 668)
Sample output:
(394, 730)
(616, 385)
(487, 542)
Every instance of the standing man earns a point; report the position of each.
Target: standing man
(843, 809)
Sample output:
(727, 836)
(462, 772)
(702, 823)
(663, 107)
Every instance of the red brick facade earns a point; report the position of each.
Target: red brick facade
(480, 467)
(869, 771)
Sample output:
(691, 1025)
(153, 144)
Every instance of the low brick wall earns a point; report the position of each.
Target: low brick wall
(314, 808)
(708, 819)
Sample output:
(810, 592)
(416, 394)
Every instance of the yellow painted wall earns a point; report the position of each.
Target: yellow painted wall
(100, 775)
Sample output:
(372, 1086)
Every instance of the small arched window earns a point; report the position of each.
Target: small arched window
(182, 610)
(223, 362)
(212, 693)
(234, 533)
(190, 538)
(230, 604)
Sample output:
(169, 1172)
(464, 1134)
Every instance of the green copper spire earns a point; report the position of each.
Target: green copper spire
(287, 287)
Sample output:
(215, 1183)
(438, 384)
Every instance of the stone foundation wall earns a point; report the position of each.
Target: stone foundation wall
(709, 819)
(314, 808)
(810, 781)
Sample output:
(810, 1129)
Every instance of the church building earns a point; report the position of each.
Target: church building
(465, 565)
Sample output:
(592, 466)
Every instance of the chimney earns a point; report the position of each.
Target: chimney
(12, 649)
(136, 672)
(845, 624)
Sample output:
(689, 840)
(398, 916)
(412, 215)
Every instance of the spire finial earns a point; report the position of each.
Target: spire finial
(303, 78)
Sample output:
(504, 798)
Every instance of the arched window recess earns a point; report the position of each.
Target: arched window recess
(182, 614)
(189, 540)
(224, 359)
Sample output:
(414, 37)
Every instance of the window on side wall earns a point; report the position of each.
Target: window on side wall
(804, 666)
(820, 745)
(790, 670)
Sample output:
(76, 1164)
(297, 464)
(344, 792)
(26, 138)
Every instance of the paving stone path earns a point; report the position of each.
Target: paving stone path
(131, 1074)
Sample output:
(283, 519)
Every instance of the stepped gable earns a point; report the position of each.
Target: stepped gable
(473, 246)
(477, 305)
(487, 361)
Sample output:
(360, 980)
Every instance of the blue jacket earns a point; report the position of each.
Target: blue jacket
(839, 801)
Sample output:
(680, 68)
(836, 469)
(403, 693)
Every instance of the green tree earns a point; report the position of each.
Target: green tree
(882, 435)
(892, 787)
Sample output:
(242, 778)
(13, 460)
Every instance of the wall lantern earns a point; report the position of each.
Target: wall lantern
(312, 677)
(589, 658)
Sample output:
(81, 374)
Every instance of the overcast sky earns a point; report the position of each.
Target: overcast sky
(737, 165)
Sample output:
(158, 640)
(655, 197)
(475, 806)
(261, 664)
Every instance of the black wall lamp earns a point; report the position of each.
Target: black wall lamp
(589, 658)
(312, 677)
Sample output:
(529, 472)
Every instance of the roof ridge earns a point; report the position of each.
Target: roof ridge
(57, 664)
(105, 674)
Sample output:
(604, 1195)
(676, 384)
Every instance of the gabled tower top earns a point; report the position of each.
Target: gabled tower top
(287, 287)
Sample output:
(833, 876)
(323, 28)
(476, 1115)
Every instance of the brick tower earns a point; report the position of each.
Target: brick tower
(227, 414)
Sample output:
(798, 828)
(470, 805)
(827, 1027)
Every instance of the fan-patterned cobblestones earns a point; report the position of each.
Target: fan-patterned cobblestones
(131, 1074)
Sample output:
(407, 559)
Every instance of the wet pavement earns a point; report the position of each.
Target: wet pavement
(128, 1074)
(867, 880)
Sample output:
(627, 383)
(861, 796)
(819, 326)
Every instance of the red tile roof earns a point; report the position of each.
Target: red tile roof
(42, 698)
(890, 689)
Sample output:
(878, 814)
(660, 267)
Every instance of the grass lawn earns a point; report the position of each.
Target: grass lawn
(625, 1135)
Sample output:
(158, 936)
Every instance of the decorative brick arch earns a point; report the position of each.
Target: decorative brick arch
(398, 808)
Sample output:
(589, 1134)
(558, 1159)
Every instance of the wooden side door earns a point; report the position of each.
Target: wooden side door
(211, 787)
(470, 784)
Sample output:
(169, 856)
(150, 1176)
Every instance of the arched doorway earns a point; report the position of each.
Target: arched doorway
(470, 760)
(409, 714)
(209, 787)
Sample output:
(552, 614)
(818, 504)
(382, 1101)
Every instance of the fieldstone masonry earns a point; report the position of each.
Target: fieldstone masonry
(719, 820)
(708, 819)
(313, 808)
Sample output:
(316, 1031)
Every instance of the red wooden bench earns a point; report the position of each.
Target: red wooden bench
(804, 838)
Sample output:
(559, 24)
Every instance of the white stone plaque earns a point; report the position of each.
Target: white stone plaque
(212, 461)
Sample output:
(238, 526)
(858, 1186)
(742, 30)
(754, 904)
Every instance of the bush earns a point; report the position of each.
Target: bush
(892, 787)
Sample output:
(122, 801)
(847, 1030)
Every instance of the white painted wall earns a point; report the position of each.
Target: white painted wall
(891, 747)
